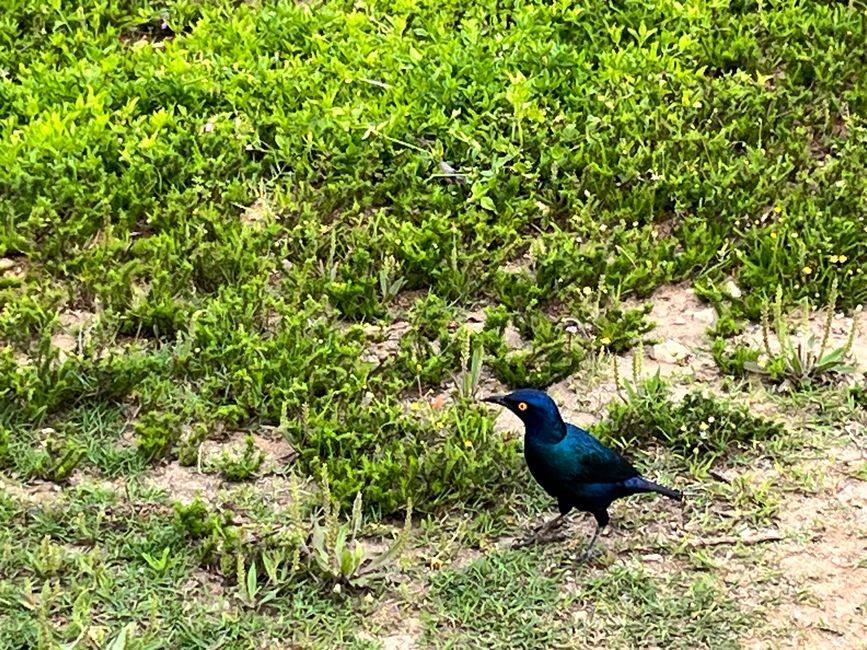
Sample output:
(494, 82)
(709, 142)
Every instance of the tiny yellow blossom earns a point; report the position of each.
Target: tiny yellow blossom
(842, 258)
(773, 234)
(468, 444)
(703, 426)
(587, 291)
(806, 270)
(605, 340)
(834, 259)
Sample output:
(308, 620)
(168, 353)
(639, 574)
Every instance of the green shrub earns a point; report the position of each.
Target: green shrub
(244, 225)
(240, 466)
(5, 437)
(697, 426)
(737, 361)
(58, 459)
(156, 432)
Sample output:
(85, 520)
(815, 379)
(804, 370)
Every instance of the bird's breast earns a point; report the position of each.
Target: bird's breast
(543, 468)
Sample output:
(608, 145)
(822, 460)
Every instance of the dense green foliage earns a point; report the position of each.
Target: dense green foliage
(220, 218)
(698, 427)
(231, 193)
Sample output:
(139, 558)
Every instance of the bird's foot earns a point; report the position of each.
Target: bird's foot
(550, 526)
(589, 554)
(539, 538)
(542, 532)
(527, 541)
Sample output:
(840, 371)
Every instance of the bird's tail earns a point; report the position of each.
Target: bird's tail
(639, 484)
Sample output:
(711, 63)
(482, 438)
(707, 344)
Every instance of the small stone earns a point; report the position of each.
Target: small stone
(6, 264)
(512, 338)
(706, 315)
(670, 352)
(732, 289)
(475, 321)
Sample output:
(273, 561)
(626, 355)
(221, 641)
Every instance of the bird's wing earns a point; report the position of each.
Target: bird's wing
(593, 462)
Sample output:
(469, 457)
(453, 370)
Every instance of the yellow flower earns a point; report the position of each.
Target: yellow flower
(605, 340)
(842, 258)
(773, 234)
(468, 444)
(587, 291)
(834, 259)
(806, 270)
(703, 426)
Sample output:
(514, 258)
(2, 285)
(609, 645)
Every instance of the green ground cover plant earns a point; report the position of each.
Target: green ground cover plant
(226, 189)
(214, 214)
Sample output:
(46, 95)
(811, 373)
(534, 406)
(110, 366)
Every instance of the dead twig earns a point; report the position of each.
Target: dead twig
(719, 477)
(732, 540)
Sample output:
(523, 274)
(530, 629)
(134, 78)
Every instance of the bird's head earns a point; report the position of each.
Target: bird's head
(537, 411)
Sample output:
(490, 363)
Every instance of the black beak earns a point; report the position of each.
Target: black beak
(496, 399)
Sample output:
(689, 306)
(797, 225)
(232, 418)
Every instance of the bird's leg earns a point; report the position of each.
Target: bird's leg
(552, 524)
(602, 520)
(586, 554)
(541, 531)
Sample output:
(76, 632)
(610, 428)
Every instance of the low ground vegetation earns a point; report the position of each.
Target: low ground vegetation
(246, 246)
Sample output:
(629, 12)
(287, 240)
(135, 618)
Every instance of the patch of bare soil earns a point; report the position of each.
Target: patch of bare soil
(13, 267)
(73, 324)
(274, 486)
(405, 631)
(275, 448)
(32, 493)
(259, 212)
(821, 601)
(184, 484)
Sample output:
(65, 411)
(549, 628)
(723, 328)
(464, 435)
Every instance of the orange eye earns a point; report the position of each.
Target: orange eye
(522, 406)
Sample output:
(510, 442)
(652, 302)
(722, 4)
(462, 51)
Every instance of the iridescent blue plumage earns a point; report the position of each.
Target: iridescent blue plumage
(570, 464)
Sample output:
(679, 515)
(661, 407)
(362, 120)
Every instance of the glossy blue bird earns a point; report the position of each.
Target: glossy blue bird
(571, 465)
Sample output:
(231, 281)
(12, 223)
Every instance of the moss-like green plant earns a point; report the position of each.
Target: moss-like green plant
(240, 466)
(156, 432)
(699, 427)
